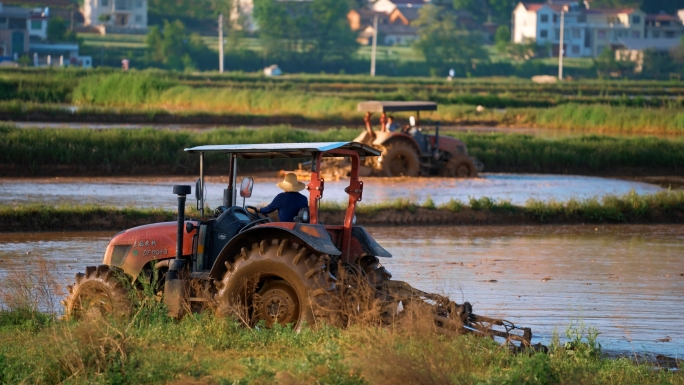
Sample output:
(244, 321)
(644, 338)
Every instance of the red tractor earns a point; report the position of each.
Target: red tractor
(278, 272)
(408, 151)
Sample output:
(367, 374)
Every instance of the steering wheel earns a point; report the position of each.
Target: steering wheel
(255, 214)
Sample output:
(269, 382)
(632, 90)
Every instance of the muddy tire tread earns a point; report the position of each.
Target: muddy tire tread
(309, 270)
(400, 147)
(100, 278)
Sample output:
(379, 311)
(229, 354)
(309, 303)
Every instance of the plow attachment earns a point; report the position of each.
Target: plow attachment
(451, 318)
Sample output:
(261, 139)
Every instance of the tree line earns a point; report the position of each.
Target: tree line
(305, 36)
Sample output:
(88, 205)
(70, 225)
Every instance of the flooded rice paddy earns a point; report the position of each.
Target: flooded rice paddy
(626, 281)
(157, 192)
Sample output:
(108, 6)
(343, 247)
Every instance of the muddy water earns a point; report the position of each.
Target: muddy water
(156, 192)
(624, 280)
(627, 281)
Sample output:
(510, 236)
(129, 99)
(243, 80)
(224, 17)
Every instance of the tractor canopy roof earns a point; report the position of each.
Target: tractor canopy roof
(377, 106)
(285, 150)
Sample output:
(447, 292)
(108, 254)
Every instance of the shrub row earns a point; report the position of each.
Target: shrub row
(663, 207)
(25, 152)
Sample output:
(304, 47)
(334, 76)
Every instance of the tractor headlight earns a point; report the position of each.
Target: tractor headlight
(354, 219)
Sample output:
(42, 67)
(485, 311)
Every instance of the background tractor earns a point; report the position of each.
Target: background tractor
(245, 264)
(409, 151)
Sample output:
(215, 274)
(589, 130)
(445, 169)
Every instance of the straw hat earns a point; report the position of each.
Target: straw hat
(291, 184)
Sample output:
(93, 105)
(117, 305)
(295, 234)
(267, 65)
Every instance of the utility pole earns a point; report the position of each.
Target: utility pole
(73, 11)
(220, 31)
(375, 44)
(561, 49)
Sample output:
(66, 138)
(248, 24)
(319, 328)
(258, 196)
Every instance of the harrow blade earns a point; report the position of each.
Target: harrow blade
(457, 319)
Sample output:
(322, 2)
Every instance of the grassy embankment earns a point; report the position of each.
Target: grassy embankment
(623, 107)
(151, 348)
(36, 152)
(664, 207)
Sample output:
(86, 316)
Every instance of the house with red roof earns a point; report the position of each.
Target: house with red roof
(388, 6)
(587, 31)
(664, 26)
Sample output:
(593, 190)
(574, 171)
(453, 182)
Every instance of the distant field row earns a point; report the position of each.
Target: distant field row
(67, 87)
(52, 152)
(606, 85)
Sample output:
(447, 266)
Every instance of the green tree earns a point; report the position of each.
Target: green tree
(658, 64)
(499, 10)
(58, 30)
(444, 44)
(608, 65)
(655, 6)
(617, 3)
(677, 52)
(479, 9)
(315, 30)
(193, 9)
(502, 38)
(173, 47)
(522, 51)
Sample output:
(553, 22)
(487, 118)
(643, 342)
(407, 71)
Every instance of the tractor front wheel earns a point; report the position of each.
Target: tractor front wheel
(99, 292)
(459, 167)
(277, 281)
(399, 159)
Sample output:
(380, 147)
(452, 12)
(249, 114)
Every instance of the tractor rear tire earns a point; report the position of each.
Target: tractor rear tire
(399, 159)
(101, 291)
(459, 167)
(279, 282)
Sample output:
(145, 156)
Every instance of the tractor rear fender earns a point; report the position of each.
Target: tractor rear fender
(362, 244)
(313, 237)
(368, 244)
(385, 138)
(451, 145)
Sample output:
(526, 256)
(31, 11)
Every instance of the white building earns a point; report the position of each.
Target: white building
(241, 15)
(116, 15)
(587, 32)
(388, 6)
(37, 23)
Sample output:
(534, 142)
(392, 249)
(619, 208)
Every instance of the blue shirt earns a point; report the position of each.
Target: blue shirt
(288, 205)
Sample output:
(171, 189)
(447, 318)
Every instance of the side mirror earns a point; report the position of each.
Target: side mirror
(198, 189)
(246, 187)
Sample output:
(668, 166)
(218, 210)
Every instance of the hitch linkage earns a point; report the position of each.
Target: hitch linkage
(452, 318)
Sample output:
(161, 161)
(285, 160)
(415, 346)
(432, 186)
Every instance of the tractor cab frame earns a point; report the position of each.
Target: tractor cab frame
(344, 235)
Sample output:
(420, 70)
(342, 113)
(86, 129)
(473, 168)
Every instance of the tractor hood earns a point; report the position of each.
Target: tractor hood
(132, 249)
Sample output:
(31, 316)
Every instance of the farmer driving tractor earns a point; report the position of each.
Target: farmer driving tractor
(411, 151)
(290, 201)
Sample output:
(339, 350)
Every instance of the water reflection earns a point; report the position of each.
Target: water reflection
(156, 192)
(627, 281)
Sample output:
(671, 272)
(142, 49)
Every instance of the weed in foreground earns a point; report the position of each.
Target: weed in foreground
(30, 293)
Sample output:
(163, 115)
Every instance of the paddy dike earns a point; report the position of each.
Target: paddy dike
(92, 218)
(71, 204)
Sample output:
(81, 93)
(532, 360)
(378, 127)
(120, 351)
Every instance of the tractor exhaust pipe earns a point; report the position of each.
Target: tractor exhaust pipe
(173, 288)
